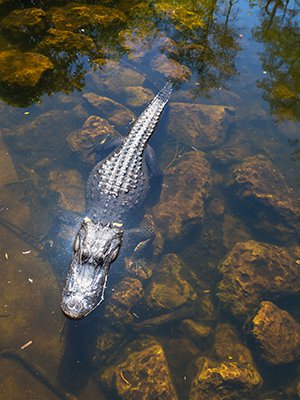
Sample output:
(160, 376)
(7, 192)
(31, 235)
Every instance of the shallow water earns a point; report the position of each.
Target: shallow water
(240, 56)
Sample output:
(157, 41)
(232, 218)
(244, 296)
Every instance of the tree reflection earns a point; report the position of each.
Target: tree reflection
(280, 33)
(202, 35)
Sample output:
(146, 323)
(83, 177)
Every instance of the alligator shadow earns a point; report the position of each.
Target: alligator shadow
(75, 367)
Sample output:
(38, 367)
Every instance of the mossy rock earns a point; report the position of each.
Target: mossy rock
(24, 23)
(224, 380)
(73, 16)
(277, 334)
(59, 40)
(125, 296)
(253, 272)
(186, 187)
(141, 374)
(23, 69)
(168, 289)
(114, 112)
(170, 68)
(185, 15)
(258, 184)
(94, 135)
(199, 125)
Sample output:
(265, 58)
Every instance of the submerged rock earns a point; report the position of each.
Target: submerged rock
(183, 15)
(228, 346)
(69, 186)
(199, 125)
(114, 112)
(73, 16)
(185, 188)
(261, 187)
(126, 295)
(198, 332)
(109, 341)
(224, 380)
(171, 68)
(168, 289)
(114, 78)
(59, 40)
(277, 334)
(253, 272)
(137, 96)
(94, 134)
(23, 69)
(144, 374)
(27, 22)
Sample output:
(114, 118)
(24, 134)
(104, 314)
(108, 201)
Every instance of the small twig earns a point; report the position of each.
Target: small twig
(123, 377)
(173, 159)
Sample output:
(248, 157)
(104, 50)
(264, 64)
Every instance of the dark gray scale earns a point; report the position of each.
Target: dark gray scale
(119, 184)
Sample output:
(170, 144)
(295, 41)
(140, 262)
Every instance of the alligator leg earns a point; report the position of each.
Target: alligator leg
(137, 240)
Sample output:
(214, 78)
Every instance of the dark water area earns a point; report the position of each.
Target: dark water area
(211, 311)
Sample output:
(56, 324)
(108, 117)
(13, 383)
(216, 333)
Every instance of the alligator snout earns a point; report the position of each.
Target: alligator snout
(73, 308)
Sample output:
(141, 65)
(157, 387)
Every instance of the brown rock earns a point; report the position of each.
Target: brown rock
(73, 16)
(262, 188)
(168, 289)
(234, 231)
(253, 272)
(127, 294)
(23, 69)
(224, 380)
(198, 332)
(186, 186)
(69, 186)
(94, 133)
(228, 346)
(139, 268)
(277, 334)
(25, 22)
(143, 375)
(114, 112)
(137, 96)
(109, 341)
(57, 40)
(113, 78)
(199, 125)
(171, 68)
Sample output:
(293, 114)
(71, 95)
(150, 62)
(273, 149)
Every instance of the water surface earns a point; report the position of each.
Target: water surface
(242, 57)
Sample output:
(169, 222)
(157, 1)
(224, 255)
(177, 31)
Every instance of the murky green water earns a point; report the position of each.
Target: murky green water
(213, 311)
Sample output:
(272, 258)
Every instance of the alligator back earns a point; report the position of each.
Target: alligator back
(119, 184)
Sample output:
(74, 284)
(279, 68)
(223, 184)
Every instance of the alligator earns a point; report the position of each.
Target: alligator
(117, 187)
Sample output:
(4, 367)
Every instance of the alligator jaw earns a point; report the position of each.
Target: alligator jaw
(96, 247)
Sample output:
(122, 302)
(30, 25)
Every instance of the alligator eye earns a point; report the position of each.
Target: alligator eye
(84, 257)
(76, 243)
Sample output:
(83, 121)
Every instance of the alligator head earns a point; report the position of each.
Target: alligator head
(95, 248)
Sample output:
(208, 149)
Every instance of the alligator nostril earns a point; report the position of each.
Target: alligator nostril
(75, 305)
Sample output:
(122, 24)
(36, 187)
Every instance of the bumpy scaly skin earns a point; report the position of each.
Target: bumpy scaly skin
(116, 187)
(119, 184)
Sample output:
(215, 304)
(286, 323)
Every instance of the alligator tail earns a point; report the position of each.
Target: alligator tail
(145, 124)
